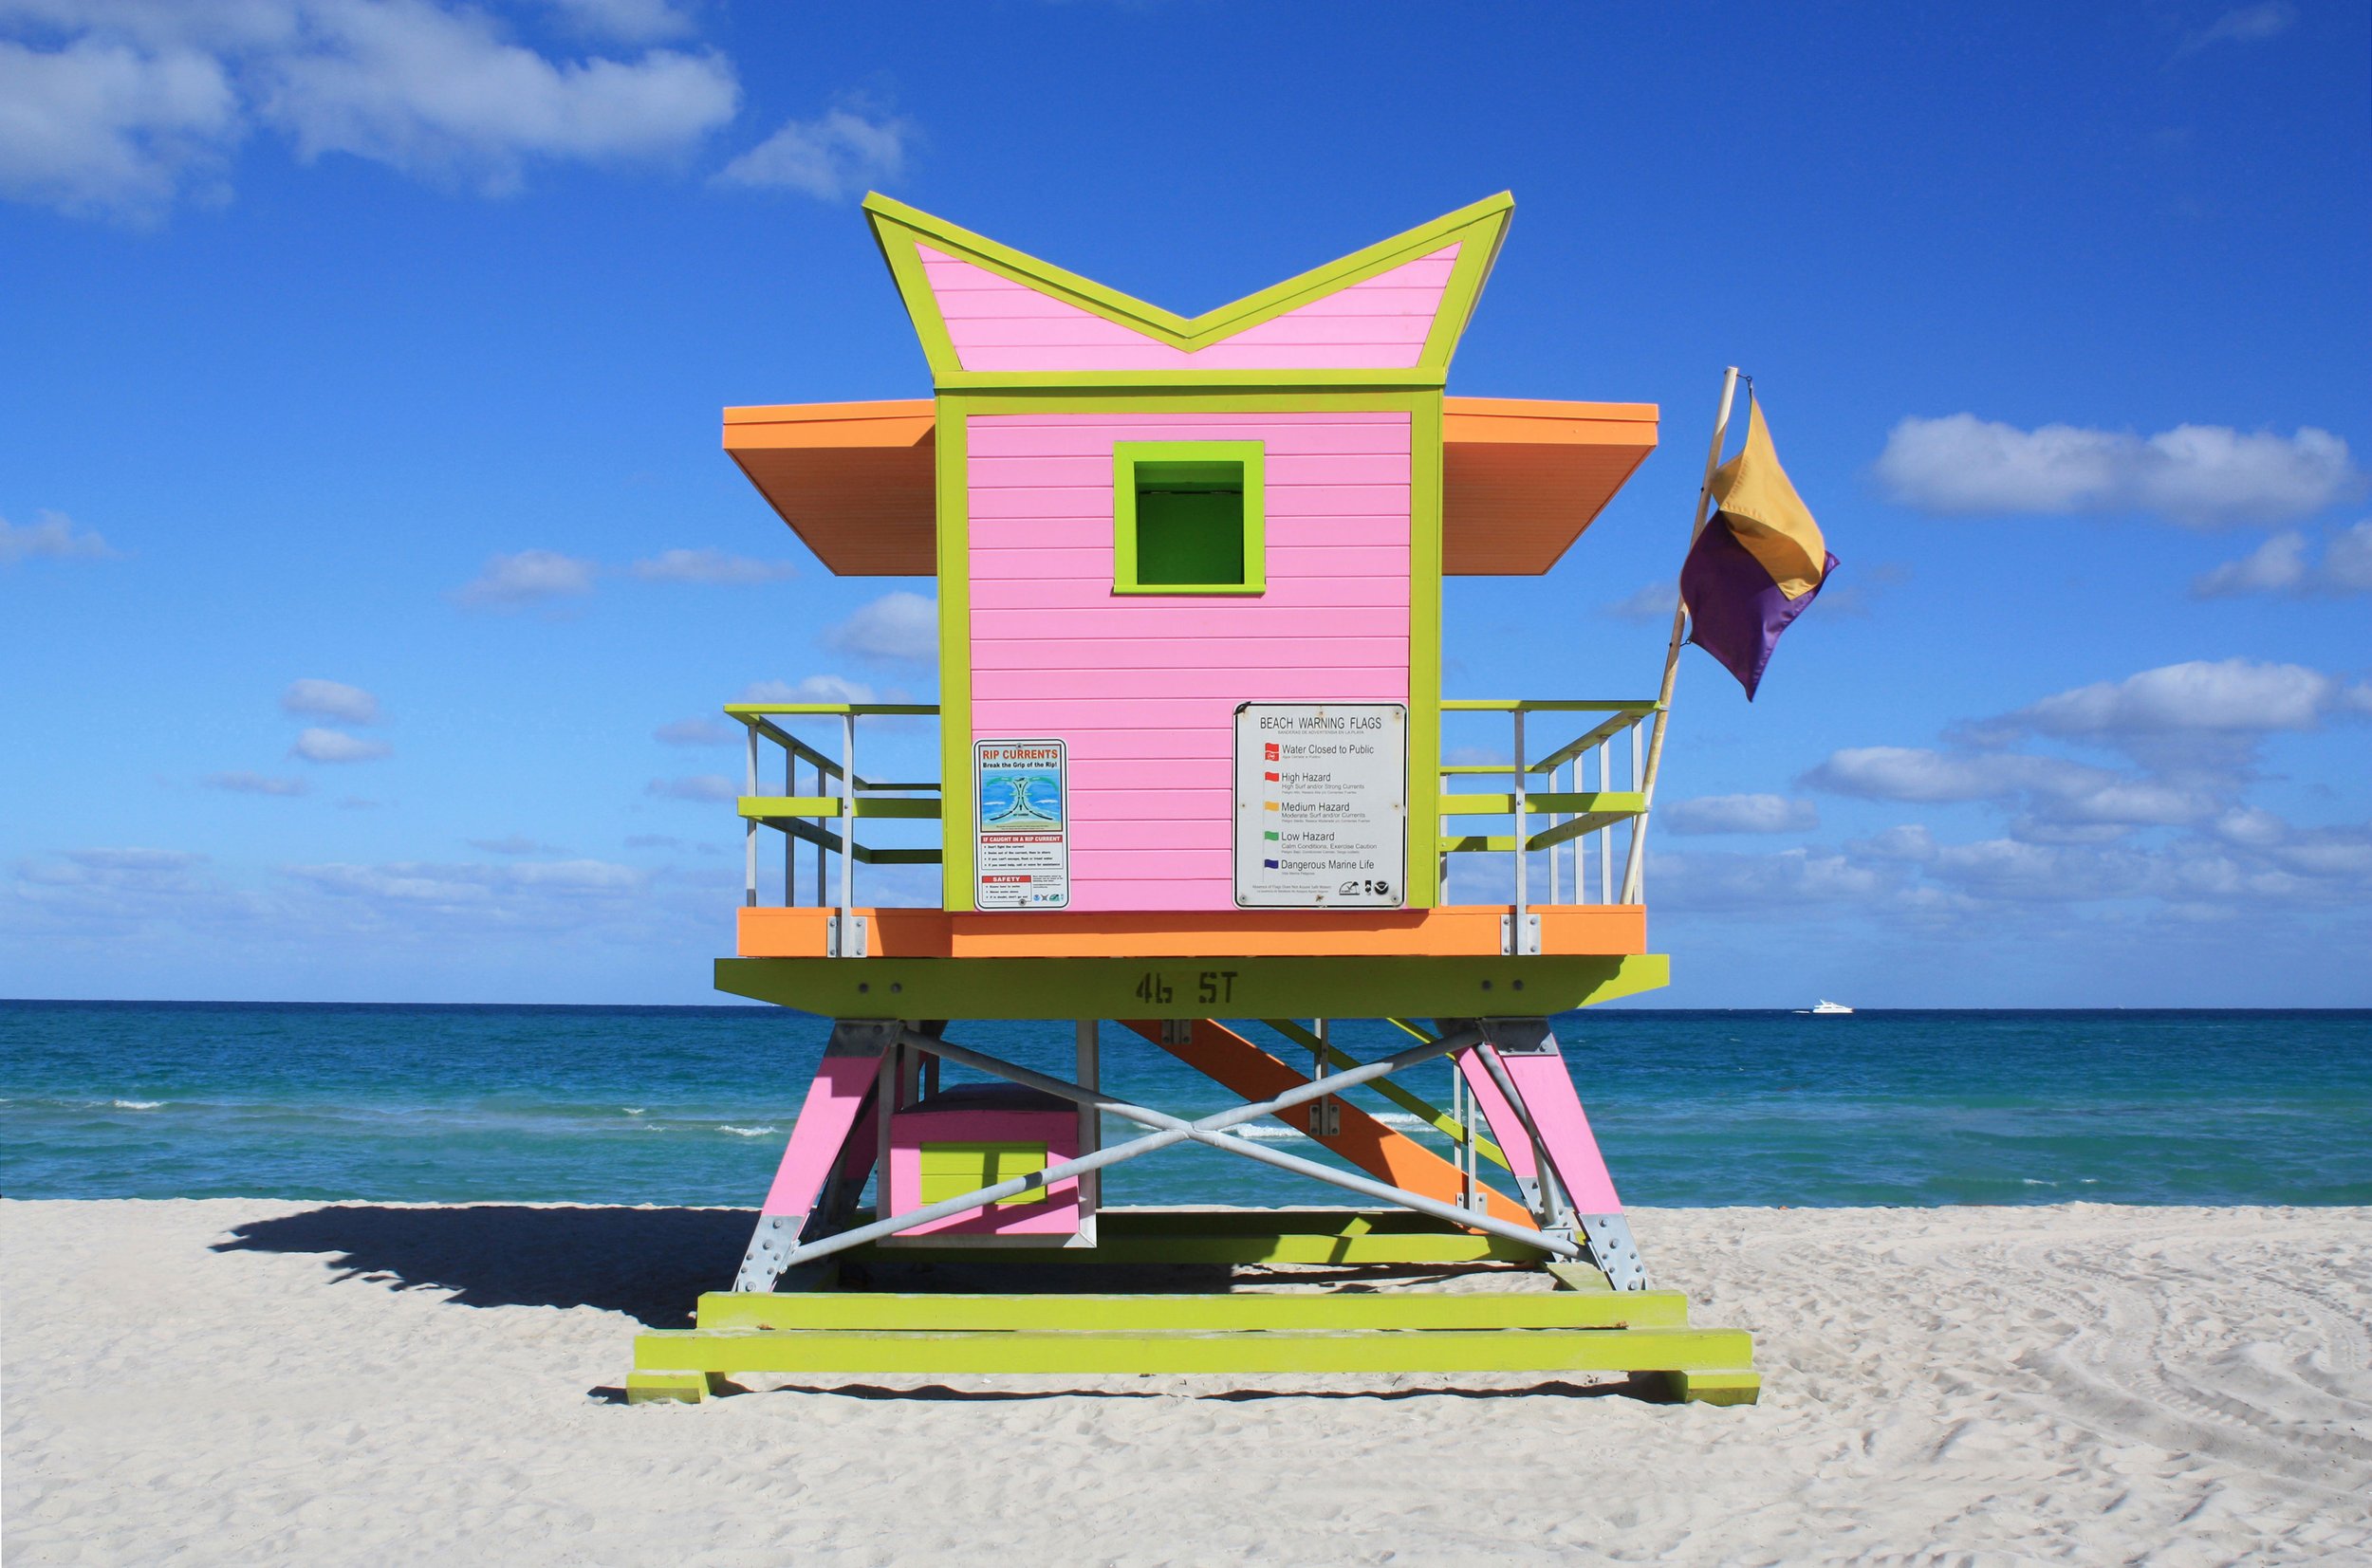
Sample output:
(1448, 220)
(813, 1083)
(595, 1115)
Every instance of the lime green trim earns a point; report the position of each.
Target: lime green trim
(1169, 397)
(1193, 1314)
(680, 1388)
(922, 306)
(1710, 1388)
(1422, 876)
(1602, 803)
(952, 440)
(1477, 230)
(1353, 987)
(1127, 456)
(763, 807)
(951, 1170)
(1473, 269)
(1246, 1251)
(1549, 705)
(1415, 1105)
(748, 711)
(1260, 1351)
(1157, 381)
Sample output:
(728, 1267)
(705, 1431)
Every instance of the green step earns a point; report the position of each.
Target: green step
(1143, 1314)
(1665, 1350)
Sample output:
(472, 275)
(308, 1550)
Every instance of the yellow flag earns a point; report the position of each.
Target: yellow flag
(1761, 506)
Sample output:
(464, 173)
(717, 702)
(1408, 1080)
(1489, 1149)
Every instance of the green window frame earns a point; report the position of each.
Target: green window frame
(1186, 542)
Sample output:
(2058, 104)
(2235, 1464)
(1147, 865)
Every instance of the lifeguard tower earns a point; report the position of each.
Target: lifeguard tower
(1189, 742)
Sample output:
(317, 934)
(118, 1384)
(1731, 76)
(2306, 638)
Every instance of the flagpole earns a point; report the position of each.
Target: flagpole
(1633, 866)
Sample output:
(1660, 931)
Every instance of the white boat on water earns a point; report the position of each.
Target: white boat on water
(1828, 1006)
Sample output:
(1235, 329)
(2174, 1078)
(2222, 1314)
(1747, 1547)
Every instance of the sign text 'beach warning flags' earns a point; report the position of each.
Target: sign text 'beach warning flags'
(1759, 561)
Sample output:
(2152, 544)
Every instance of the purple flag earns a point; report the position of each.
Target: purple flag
(1735, 611)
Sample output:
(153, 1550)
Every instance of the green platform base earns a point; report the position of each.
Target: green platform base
(1581, 1326)
(1364, 987)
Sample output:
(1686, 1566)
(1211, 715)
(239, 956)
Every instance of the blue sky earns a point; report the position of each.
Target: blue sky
(369, 563)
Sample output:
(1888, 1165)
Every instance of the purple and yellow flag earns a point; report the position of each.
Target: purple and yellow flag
(1758, 563)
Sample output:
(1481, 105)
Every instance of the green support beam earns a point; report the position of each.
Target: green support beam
(941, 1353)
(1351, 987)
(1309, 1312)
(1415, 1105)
(1232, 1251)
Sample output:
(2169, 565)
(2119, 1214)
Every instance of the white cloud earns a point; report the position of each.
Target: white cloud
(1790, 878)
(833, 156)
(2199, 475)
(2278, 565)
(141, 103)
(710, 566)
(2281, 565)
(1738, 814)
(899, 625)
(515, 844)
(629, 21)
(330, 699)
(102, 129)
(541, 893)
(2347, 564)
(1903, 842)
(54, 537)
(430, 91)
(255, 784)
(527, 577)
(1656, 602)
(2233, 696)
(335, 746)
(2251, 24)
(697, 732)
(698, 787)
(2052, 790)
(809, 689)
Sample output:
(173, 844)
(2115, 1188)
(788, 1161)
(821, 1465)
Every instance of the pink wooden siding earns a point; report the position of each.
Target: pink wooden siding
(998, 325)
(1145, 687)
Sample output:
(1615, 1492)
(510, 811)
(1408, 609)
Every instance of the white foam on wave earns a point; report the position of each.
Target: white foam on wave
(1263, 1132)
(632, 1110)
(139, 1104)
(747, 1132)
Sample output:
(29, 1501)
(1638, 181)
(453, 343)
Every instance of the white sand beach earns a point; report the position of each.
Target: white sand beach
(253, 1382)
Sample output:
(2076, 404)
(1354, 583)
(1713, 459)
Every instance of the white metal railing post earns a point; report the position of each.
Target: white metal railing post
(823, 886)
(1638, 889)
(1556, 852)
(750, 830)
(1520, 824)
(1605, 833)
(848, 830)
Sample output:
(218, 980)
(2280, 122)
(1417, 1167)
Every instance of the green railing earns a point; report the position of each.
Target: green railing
(825, 818)
(1560, 815)
(1573, 819)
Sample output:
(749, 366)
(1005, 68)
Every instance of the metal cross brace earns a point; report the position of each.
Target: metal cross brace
(1169, 1131)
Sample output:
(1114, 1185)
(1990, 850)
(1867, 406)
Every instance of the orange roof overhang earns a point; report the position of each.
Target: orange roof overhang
(1521, 478)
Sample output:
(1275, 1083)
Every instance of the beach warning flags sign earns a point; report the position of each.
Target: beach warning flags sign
(1758, 561)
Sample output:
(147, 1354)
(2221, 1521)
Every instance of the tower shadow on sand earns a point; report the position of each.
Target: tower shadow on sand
(650, 1263)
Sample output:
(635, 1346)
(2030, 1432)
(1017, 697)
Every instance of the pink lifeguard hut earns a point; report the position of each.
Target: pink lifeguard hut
(1190, 744)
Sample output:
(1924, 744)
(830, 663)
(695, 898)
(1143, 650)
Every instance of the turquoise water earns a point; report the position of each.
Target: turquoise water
(690, 1105)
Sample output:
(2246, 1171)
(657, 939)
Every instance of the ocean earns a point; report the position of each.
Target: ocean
(691, 1105)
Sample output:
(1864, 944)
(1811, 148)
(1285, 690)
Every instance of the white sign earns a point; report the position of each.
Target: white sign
(1021, 838)
(1321, 805)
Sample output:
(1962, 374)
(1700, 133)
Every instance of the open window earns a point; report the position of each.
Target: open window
(1187, 518)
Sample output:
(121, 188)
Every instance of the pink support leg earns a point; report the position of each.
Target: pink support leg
(819, 1139)
(1535, 1067)
(1507, 1129)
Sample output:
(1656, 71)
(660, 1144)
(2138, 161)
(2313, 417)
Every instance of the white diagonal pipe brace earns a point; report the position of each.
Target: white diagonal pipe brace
(1174, 1129)
(1202, 1131)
